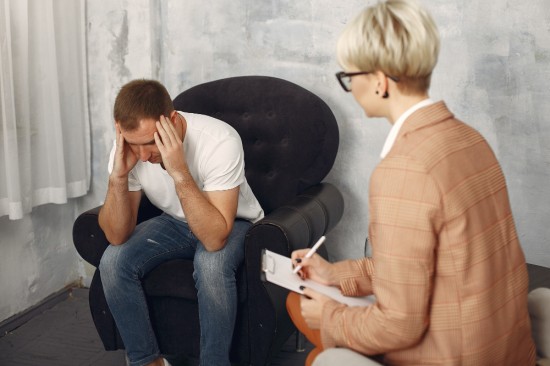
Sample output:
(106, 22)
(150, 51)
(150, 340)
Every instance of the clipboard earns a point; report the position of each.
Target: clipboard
(277, 269)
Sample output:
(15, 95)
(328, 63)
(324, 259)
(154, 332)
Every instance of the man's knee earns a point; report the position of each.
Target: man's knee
(108, 259)
(113, 264)
(210, 265)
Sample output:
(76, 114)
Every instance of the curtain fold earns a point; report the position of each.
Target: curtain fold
(44, 118)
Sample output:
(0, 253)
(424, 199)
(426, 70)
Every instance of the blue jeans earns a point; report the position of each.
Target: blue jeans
(156, 241)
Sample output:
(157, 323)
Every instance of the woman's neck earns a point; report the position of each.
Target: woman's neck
(400, 103)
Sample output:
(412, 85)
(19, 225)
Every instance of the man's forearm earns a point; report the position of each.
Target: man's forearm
(204, 219)
(116, 217)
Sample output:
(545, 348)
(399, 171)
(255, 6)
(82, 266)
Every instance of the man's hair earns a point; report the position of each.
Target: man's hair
(141, 99)
(396, 37)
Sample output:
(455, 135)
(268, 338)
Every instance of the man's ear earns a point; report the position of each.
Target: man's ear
(173, 117)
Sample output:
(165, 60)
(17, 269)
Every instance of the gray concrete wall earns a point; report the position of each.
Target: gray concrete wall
(493, 73)
(37, 257)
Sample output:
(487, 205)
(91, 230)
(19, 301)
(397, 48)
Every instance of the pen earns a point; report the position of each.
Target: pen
(311, 252)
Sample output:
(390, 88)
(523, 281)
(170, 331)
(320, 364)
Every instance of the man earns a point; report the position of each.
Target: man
(192, 167)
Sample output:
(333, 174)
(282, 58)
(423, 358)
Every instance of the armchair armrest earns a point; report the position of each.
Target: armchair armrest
(296, 225)
(89, 239)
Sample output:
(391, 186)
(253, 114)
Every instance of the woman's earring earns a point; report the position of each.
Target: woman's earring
(385, 96)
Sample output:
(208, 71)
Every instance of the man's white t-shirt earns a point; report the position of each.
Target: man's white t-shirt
(215, 157)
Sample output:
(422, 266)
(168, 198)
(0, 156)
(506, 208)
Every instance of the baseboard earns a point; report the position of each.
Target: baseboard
(85, 282)
(21, 318)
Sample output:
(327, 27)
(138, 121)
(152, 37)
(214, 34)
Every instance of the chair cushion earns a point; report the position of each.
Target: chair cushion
(175, 279)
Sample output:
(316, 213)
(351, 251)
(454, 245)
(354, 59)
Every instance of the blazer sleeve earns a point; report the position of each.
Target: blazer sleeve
(404, 209)
(355, 276)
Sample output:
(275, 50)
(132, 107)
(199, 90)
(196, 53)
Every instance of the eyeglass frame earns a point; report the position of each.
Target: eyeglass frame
(342, 74)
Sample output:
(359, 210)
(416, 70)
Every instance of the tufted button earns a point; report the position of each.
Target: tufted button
(257, 142)
(270, 114)
(246, 116)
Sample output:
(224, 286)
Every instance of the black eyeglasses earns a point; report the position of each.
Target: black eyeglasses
(344, 78)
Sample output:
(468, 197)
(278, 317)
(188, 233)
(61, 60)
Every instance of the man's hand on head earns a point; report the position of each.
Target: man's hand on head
(125, 159)
(170, 146)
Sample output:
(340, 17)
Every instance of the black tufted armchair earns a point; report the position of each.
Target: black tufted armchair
(290, 139)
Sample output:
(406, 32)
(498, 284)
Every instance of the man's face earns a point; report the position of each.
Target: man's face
(142, 141)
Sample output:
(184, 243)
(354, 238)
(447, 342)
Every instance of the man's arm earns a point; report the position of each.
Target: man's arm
(118, 216)
(210, 215)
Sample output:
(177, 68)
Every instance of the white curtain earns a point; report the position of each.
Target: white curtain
(44, 119)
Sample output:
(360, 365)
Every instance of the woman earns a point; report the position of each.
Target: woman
(447, 269)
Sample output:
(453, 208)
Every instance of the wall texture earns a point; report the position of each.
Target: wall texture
(37, 257)
(493, 73)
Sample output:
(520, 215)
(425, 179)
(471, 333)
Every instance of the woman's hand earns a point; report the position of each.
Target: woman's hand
(315, 268)
(311, 305)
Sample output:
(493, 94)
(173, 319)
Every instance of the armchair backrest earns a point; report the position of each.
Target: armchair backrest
(290, 136)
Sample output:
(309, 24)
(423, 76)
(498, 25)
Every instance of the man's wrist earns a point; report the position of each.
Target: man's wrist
(118, 182)
(182, 177)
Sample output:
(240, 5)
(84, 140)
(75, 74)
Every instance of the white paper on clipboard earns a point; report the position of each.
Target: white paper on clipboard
(278, 270)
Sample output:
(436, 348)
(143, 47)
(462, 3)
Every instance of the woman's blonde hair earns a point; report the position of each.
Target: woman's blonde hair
(397, 37)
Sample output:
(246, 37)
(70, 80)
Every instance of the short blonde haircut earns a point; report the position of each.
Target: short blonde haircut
(397, 37)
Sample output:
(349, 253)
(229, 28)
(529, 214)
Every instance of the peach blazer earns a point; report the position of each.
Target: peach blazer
(447, 268)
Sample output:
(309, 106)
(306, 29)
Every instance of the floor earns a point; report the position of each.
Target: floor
(64, 335)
